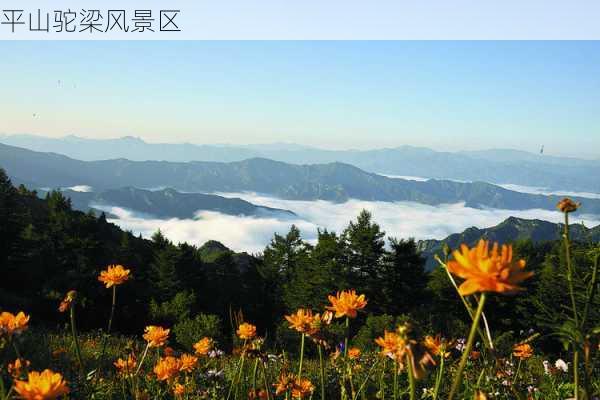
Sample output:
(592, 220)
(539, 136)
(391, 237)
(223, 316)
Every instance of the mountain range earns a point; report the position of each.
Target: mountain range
(510, 230)
(496, 166)
(336, 182)
(169, 203)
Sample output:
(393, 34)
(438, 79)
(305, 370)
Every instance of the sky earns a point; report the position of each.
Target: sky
(344, 94)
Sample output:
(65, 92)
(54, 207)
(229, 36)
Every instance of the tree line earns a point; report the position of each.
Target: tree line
(47, 249)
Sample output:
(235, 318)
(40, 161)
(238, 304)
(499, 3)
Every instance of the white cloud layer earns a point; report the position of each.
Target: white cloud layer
(80, 188)
(546, 191)
(252, 234)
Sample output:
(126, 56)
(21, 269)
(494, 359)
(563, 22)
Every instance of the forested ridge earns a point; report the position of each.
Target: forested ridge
(47, 249)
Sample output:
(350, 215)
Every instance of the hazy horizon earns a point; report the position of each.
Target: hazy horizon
(334, 95)
(296, 144)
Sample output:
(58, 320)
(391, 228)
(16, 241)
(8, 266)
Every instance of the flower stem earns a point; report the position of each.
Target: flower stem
(254, 374)
(463, 361)
(382, 381)
(266, 381)
(346, 338)
(301, 357)
(143, 358)
(573, 304)
(395, 379)
(112, 309)
(438, 380)
(322, 371)
(411, 378)
(75, 339)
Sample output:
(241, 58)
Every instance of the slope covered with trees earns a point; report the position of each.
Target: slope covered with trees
(48, 249)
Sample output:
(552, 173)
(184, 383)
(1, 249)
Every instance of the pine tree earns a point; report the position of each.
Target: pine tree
(404, 278)
(164, 280)
(364, 248)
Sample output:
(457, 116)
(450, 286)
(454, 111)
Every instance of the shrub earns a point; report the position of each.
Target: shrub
(175, 310)
(188, 331)
(374, 327)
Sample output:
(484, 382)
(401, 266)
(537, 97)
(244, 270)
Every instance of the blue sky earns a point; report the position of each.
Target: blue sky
(352, 94)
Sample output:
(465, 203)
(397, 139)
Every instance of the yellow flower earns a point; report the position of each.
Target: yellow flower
(114, 275)
(167, 368)
(522, 351)
(126, 367)
(246, 331)
(204, 346)
(13, 324)
(188, 362)
(486, 271)
(354, 353)
(301, 321)
(15, 368)
(437, 346)
(45, 385)
(156, 336)
(567, 205)
(178, 390)
(392, 345)
(302, 388)
(347, 303)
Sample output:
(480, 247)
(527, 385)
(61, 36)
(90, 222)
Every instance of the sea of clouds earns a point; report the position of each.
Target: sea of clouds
(252, 234)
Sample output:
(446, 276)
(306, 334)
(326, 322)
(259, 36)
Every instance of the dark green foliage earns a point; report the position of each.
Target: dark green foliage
(373, 328)
(171, 311)
(46, 249)
(189, 330)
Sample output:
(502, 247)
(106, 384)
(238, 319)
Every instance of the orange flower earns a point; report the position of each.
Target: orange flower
(188, 362)
(486, 271)
(246, 331)
(167, 368)
(58, 352)
(474, 355)
(45, 385)
(354, 353)
(392, 345)
(168, 351)
(156, 336)
(204, 346)
(301, 320)
(65, 304)
(522, 351)
(347, 303)
(114, 275)
(178, 390)
(13, 324)
(436, 345)
(15, 368)
(126, 367)
(285, 383)
(567, 205)
(302, 388)
(320, 320)
(299, 387)
(257, 394)
(479, 395)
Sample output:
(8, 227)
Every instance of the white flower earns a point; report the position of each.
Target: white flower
(561, 365)
(546, 367)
